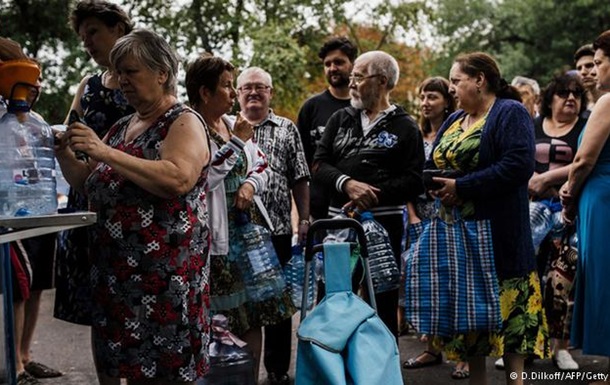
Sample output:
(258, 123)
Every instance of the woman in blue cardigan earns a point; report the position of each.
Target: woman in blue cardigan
(491, 141)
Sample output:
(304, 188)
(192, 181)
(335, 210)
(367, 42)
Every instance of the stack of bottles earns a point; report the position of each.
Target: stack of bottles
(27, 161)
(294, 272)
(258, 261)
(230, 362)
(384, 269)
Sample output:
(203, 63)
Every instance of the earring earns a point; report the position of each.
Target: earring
(478, 90)
(446, 110)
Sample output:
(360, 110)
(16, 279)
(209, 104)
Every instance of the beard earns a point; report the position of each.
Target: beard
(342, 79)
(363, 101)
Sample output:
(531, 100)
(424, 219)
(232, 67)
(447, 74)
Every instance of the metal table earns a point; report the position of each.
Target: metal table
(21, 228)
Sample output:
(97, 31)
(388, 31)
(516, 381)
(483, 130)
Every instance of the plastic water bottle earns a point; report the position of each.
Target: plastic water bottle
(27, 165)
(258, 261)
(384, 269)
(230, 362)
(541, 222)
(294, 273)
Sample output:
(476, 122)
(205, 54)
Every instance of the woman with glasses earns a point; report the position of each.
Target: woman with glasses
(556, 130)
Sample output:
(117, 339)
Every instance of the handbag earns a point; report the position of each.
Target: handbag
(451, 286)
(559, 286)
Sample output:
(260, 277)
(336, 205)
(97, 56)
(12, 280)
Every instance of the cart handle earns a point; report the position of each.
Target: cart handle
(333, 224)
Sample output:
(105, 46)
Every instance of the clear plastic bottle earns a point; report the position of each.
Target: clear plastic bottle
(230, 363)
(294, 273)
(27, 165)
(384, 269)
(259, 263)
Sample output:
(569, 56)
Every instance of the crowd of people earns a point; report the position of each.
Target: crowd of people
(169, 181)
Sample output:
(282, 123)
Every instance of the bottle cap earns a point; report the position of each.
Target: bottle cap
(16, 78)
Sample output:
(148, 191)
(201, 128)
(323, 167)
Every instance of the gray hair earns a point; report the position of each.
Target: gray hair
(254, 70)
(152, 51)
(381, 63)
(523, 81)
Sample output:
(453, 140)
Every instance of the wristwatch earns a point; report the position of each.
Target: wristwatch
(304, 222)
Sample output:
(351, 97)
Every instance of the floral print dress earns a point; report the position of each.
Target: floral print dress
(150, 273)
(102, 107)
(524, 328)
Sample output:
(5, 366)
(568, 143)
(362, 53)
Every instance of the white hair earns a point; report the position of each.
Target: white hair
(523, 81)
(254, 70)
(381, 63)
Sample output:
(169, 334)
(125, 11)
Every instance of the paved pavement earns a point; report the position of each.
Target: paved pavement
(66, 347)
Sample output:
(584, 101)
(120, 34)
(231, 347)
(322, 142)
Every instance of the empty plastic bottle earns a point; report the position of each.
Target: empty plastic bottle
(230, 362)
(27, 164)
(259, 263)
(384, 269)
(294, 273)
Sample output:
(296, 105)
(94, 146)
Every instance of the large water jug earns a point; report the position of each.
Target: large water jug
(294, 273)
(27, 165)
(384, 269)
(230, 362)
(257, 260)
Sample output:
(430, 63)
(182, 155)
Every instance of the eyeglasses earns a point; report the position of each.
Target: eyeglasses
(564, 94)
(253, 87)
(357, 79)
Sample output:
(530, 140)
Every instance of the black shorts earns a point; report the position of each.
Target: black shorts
(41, 254)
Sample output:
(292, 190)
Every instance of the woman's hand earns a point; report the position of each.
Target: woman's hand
(447, 194)
(568, 203)
(82, 138)
(244, 196)
(243, 129)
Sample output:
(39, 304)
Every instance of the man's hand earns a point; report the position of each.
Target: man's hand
(244, 196)
(243, 129)
(361, 195)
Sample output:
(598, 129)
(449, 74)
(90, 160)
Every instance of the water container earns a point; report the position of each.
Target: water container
(230, 362)
(27, 165)
(384, 269)
(257, 260)
(294, 273)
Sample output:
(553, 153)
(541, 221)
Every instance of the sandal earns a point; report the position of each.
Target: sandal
(38, 370)
(460, 373)
(24, 378)
(415, 363)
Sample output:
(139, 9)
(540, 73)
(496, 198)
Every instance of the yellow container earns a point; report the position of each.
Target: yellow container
(17, 71)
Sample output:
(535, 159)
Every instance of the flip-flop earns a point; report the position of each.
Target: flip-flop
(413, 363)
(460, 374)
(38, 370)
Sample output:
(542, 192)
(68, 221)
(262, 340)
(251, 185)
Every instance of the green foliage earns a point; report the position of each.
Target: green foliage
(534, 38)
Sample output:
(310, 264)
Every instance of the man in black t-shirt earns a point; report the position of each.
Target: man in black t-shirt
(338, 55)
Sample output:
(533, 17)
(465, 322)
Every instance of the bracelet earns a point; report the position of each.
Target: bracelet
(304, 222)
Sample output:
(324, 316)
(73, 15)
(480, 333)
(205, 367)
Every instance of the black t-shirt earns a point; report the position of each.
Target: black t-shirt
(556, 152)
(311, 122)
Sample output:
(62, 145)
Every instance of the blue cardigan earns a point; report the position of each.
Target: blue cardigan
(498, 186)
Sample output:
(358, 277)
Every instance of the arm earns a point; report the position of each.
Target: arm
(300, 192)
(183, 155)
(75, 171)
(223, 161)
(512, 141)
(256, 179)
(593, 141)
(541, 185)
(76, 101)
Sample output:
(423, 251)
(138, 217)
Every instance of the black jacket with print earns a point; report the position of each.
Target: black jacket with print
(390, 157)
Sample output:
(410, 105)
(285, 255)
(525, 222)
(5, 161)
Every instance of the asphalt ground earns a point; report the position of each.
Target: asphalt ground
(67, 347)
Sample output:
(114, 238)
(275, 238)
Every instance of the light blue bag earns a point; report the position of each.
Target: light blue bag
(343, 341)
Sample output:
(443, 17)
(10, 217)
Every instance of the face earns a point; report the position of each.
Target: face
(566, 101)
(528, 98)
(34, 92)
(98, 39)
(585, 68)
(602, 69)
(254, 95)
(363, 87)
(337, 68)
(222, 99)
(432, 104)
(139, 84)
(463, 88)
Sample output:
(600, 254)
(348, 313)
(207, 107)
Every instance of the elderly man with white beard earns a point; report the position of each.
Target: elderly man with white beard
(371, 157)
